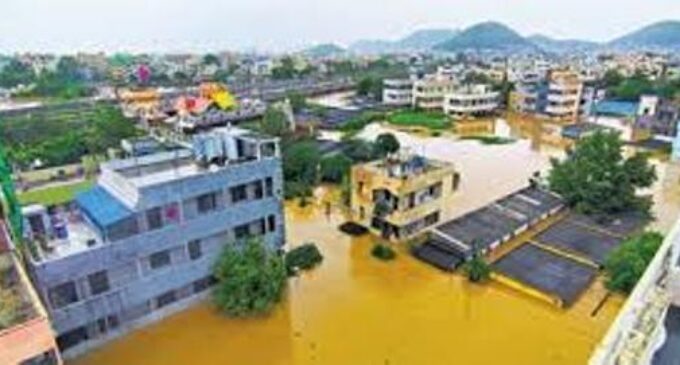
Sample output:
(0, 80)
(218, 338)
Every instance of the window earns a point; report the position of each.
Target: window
(271, 222)
(242, 231)
(269, 186)
(166, 298)
(72, 338)
(203, 284)
(238, 193)
(259, 192)
(154, 218)
(195, 251)
(99, 282)
(159, 259)
(260, 227)
(207, 202)
(63, 294)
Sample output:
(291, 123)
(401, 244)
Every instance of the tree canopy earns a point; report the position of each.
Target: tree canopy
(626, 264)
(275, 122)
(251, 279)
(595, 178)
(386, 143)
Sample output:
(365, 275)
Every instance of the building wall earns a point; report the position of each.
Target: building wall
(134, 286)
(365, 180)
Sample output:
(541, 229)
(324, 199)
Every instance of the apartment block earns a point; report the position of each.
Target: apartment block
(397, 92)
(141, 243)
(471, 100)
(556, 95)
(400, 196)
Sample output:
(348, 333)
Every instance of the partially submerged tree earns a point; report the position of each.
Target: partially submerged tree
(626, 264)
(275, 122)
(334, 168)
(386, 144)
(303, 257)
(251, 279)
(595, 178)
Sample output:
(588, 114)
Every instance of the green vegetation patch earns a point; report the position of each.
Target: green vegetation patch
(489, 140)
(54, 195)
(414, 118)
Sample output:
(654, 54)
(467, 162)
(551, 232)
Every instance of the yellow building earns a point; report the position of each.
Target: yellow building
(400, 196)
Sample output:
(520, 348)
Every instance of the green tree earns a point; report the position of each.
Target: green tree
(251, 279)
(285, 70)
(626, 264)
(300, 163)
(370, 86)
(359, 150)
(297, 101)
(16, 73)
(611, 79)
(334, 168)
(595, 178)
(303, 257)
(275, 122)
(477, 269)
(386, 143)
(211, 59)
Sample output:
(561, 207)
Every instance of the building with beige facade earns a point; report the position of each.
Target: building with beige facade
(401, 196)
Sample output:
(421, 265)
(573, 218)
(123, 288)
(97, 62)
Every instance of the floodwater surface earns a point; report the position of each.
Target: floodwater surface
(354, 309)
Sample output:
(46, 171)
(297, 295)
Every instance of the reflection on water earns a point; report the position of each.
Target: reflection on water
(354, 309)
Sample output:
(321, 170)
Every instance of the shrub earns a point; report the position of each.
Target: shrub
(303, 257)
(477, 269)
(625, 265)
(383, 252)
(251, 279)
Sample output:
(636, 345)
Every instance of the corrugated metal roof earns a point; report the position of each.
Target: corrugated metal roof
(102, 207)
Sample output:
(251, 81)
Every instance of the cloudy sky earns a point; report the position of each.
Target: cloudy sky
(197, 25)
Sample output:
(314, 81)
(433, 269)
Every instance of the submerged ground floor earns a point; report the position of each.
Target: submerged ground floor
(354, 309)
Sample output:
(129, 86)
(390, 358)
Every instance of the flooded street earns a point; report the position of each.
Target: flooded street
(354, 309)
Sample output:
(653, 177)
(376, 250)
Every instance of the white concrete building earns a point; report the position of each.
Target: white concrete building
(472, 100)
(398, 92)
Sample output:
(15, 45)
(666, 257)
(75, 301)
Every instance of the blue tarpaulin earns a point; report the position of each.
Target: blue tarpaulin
(616, 108)
(101, 207)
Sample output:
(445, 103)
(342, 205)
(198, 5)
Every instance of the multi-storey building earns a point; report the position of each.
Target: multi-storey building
(557, 95)
(26, 336)
(142, 242)
(397, 92)
(429, 90)
(471, 100)
(400, 196)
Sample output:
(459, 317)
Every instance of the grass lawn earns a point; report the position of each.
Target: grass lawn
(490, 140)
(54, 195)
(412, 118)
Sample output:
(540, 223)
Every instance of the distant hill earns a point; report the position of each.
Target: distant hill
(488, 36)
(558, 46)
(661, 35)
(425, 38)
(419, 40)
(373, 46)
(324, 50)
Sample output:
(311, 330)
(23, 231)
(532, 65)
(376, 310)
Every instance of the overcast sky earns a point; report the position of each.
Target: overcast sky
(199, 25)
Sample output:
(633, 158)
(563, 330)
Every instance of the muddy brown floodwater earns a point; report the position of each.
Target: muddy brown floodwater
(354, 309)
